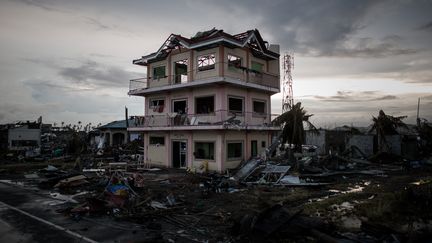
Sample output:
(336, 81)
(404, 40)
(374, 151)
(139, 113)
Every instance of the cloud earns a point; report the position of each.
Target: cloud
(355, 96)
(357, 108)
(93, 74)
(368, 47)
(47, 5)
(426, 27)
(98, 24)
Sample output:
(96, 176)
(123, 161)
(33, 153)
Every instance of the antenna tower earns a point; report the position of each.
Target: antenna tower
(287, 95)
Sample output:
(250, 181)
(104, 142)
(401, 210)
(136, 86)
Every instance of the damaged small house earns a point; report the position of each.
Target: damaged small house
(207, 99)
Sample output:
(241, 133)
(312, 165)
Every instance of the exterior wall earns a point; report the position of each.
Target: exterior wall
(157, 82)
(179, 57)
(207, 73)
(162, 155)
(154, 154)
(317, 140)
(221, 94)
(249, 97)
(363, 142)
(273, 65)
(269, 76)
(23, 133)
(216, 163)
(235, 73)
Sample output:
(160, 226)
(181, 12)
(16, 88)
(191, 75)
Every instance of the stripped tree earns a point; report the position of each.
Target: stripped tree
(293, 130)
(385, 125)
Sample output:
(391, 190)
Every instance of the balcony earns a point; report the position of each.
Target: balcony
(221, 119)
(240, 76)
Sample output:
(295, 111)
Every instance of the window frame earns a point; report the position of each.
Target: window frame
(156, 144)
(151, 106)
(178, 78)
(241, 142)
(211, 57)
(255, 113)
(234, 67)
(212, 157)
(205, 96)
(234, 111)
(177, 100)
(154, 72)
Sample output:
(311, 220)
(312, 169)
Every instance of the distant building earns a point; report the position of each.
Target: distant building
(24, 136)
(115, 133)
(363, 143)
(207, 99)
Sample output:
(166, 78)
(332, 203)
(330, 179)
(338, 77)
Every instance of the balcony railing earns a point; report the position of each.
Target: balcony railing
(221, 117)
(238, 73)
(138, 84)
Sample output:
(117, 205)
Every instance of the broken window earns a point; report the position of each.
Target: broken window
(159, 72)
(204, 150)
(204, 105)
(157, 140)
(257, 67)
(235, 105)
(259, 107)
(234, 150)
(180, 71)
(206, 62)
(157, 105)
(180, 106)
(234, 62)
(263, 144)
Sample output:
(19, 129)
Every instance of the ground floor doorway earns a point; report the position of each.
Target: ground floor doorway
(179, 153)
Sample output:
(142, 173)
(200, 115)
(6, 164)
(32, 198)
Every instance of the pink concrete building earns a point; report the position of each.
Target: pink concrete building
(207, 99)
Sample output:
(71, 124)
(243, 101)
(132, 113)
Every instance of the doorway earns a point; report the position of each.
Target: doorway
(179, 153)
(254, 148)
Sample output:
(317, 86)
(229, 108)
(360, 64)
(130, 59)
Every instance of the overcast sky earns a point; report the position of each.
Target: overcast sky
(71, 61)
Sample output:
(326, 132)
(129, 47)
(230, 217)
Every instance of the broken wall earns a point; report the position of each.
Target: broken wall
(364, 142)
(317, 140)
(395, 144)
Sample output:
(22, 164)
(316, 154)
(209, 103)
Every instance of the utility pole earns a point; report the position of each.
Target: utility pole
(418, 113)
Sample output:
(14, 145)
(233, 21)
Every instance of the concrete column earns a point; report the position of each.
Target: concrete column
(168, 143)
(189, 149)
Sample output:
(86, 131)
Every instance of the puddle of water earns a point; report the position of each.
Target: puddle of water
(18, 183)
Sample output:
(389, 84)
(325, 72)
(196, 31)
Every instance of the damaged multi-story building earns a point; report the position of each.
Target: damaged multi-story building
(207, 99)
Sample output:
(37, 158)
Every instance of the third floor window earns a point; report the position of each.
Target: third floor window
(206, 62)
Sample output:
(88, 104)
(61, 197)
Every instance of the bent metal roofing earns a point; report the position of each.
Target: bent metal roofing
(250, 38)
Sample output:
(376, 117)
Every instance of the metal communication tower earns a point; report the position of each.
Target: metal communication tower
(287, 95)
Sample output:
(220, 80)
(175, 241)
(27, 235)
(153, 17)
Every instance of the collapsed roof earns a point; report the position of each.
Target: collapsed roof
(208, 39)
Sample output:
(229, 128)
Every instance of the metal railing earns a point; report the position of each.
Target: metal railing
(237, 72)
(219, 117)
(138, 84)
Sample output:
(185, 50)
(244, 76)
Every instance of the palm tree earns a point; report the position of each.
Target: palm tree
(293, 131)
(386, 125)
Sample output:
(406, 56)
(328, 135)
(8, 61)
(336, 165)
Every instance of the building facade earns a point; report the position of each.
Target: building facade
(24, 136)
(207, 99)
